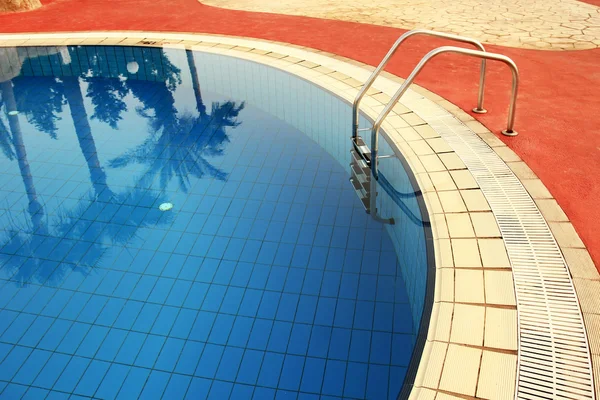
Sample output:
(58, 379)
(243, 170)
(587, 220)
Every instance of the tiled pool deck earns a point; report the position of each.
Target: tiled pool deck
(472, 344)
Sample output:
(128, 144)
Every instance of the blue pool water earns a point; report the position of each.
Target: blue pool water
(265, 280)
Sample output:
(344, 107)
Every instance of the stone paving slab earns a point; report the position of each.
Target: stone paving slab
(537, 24)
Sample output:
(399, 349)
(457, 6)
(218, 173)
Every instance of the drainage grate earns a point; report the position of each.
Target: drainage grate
(554, 360)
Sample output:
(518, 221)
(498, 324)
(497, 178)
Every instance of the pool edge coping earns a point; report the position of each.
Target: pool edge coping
(571, 246)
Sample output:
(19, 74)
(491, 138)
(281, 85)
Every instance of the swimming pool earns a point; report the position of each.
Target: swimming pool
(266, 279)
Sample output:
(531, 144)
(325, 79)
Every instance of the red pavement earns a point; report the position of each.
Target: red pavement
(558, 107)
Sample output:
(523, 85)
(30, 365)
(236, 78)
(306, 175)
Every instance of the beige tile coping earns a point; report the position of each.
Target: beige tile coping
(471, 349)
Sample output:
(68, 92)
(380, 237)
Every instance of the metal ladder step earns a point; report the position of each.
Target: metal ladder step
(362, 150)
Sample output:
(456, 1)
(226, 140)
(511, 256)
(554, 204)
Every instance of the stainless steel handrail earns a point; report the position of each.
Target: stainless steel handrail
(479, 109)
(445, 49)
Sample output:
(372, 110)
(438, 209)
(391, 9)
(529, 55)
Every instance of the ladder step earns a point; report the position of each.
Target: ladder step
(362, 149)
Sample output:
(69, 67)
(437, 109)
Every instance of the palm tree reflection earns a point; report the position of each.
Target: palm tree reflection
(178, 144)
(45, 248)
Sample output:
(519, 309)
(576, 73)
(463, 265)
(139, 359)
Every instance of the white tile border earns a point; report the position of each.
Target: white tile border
(459, 252)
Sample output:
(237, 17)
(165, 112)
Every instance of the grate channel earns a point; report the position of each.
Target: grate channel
(554, 360)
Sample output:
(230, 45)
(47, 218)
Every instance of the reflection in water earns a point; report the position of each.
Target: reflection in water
(177, 144)
(266, 264)
(48, 245)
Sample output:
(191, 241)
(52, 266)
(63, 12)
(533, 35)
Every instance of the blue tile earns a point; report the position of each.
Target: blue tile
(214, 297)
(208, 269)
(381, 344)
(92, 309)
(183, 324)
(40, 300)
(110, 312)
(198, 389)
(149, 351)
(156, 264)
(202, 326)
(249, 368)
(177, 387)
(301, 255)
(91, 379)
(307, 307)
(221, 329)
(164, 321)
(4, 350)
(35, 393)
(188, 357)
(161, 290)
(13, 361)
(111, 345)
(224, 272)
(344, 313)
(51, 371)
(220, 390)
(155, 385)
(294, 280)
(377, 382)
(259, 336)
(71, 374)
(73, 338)
(92, 341)
(312, 282)
(360, 346)
(384, 316)
(280, 336)
(126, 285)
(333, 382)
(146, 317)
(230, 363)
(356, 380)
(262, 393)
(232, 301)
(331, 284)
(312, 379)
(240, 333)
(242, 392)
(340, 344)
(367, 287)
(130, 348)
(133, 384)
(272, 368)
(397, 376)
(325, 311)
(18, 328)
(284, 254)
(196, 295)
(291, 373)
(299, 339)
(14, 391)
(402, 347)
(128, 314)
(287, 307)
(286, 394)
(363, 315)
(169, 354)
(402, 324)
(32, 367)
(259, 277)
(268, 305)
(211, 357)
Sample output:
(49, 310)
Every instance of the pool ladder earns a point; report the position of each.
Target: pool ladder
(365, 159)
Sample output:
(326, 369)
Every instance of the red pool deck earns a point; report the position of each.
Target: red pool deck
(558, 109)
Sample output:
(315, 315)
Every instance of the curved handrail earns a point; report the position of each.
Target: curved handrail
(444, 49)
(367, 85)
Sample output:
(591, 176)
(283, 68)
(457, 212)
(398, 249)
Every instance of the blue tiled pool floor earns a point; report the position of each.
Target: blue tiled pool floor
(266, 280)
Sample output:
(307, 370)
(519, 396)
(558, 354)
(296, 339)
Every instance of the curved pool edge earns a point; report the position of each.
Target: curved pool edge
(474, 330)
